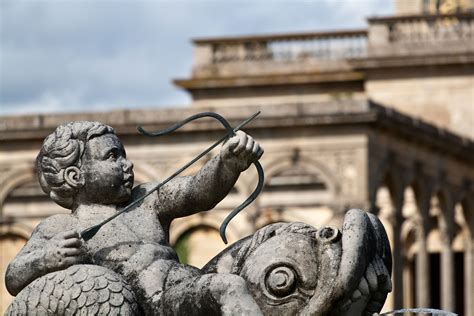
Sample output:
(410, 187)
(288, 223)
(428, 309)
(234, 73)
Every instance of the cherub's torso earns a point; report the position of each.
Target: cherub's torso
(132, 240)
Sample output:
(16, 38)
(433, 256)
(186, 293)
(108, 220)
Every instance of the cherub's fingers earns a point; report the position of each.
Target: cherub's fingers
(250, 143)
(232, 142)
(242, 142)
(255, 148)
(68, 234)
(69, 261)
(70, 252)
(229, 146)
(72, 242)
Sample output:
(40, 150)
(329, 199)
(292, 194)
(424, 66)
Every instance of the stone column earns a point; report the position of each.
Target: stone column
(468, 207)
(447, 278)
(422, 257)
(422, 268)
(448, 288)
(469, 277)
(398, 261)
(398, 198)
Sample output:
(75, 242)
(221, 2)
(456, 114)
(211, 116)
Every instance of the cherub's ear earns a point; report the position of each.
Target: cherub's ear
(73, 176)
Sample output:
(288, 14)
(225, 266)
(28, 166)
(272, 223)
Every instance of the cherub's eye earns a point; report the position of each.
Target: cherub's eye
(112, 156)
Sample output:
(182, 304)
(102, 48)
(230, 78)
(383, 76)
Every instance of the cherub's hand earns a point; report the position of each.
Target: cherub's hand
(241, 151)
(62, 251)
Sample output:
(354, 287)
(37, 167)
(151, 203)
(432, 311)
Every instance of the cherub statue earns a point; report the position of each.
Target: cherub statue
(83, 167)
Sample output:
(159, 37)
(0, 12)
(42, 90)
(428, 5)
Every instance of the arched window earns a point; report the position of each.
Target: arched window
(27, 202)
(296, 179)
(10, 245)
(198, 245)
(297, 186)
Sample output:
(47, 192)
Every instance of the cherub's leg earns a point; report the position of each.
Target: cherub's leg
(209, 294)
(150, 284)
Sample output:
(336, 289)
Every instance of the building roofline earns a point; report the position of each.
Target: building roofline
(279, 37)
(423, 16)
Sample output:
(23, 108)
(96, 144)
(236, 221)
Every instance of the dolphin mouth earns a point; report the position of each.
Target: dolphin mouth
(362, 267)
(366, 264)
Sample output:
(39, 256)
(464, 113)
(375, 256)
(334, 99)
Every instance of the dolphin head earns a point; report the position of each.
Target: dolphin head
(294, 268)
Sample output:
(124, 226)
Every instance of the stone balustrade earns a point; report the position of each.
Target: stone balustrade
(298, 52)
(319, 52)
(421, 35)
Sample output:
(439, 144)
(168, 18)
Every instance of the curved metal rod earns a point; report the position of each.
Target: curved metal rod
(249, 200)
(228, 127)
(176, 126)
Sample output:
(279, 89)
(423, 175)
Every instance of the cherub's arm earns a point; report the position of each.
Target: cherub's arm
(49, 249)
(184, 196)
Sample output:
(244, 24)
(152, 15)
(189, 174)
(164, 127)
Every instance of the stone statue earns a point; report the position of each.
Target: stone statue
(129, 268)
(293, 268)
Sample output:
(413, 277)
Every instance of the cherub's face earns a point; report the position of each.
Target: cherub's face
(107, 173)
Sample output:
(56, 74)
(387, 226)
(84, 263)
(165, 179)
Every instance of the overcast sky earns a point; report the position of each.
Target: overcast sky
(92, 55)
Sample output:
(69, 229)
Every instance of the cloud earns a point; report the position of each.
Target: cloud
(81, 55)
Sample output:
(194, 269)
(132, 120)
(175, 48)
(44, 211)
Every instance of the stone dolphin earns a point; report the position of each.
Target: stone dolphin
(293, 268)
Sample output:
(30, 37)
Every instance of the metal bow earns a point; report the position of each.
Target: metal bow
(230, 133)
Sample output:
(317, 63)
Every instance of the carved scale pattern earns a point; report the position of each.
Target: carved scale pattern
(78, 290)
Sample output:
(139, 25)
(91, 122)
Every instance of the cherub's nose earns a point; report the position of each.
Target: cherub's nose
(127, 165)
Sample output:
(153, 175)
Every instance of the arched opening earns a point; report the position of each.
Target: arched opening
(383, 202)
(10, 245)
(417, 268)
(198, 245)
(435, 243)
(446, 254)
(293, 191)
(28, 204)
(296, 185)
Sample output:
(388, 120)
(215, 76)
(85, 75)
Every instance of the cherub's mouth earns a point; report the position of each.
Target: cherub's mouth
(128, 180)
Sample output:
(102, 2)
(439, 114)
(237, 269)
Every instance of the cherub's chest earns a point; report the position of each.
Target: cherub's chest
(139, 226)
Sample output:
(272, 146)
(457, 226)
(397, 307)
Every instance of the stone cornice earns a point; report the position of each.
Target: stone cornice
(269, 80)
(393, 61)
(325, 114)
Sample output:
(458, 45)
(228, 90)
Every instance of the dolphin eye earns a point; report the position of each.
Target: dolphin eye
(281, 281)
(328, 235)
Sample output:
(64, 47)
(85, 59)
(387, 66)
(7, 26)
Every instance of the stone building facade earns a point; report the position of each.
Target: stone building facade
(380, 119)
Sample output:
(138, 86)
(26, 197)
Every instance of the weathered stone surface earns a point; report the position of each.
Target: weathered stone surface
(129, 268)
(60, 291)
(83, 167)
(289, 269)
(294, 268)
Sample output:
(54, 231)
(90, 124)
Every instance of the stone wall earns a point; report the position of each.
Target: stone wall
(443, 97)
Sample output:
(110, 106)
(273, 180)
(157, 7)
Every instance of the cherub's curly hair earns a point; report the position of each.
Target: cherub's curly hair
(62, 149)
